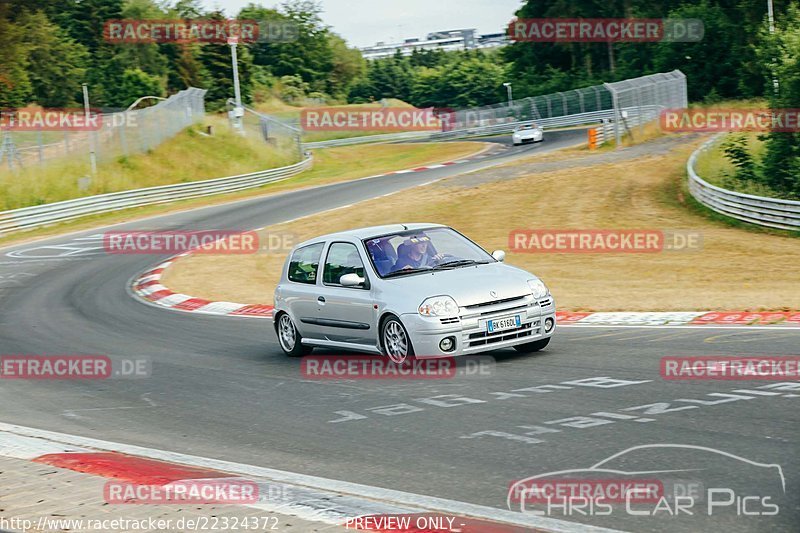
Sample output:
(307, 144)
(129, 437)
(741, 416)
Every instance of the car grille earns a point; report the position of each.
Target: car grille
(547, 302)
(474, 317)
(451, 320)
(495, 302)
(484, 338)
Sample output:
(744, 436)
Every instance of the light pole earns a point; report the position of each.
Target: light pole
(510, 93)
(771, 15)
(238, 111)
(92, 139)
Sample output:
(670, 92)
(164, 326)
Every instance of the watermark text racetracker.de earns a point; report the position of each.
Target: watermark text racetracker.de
(376, 119)
(595, 30)
(595, 241)
(216, 242)
(374, 367)
(722, 120)
(152, 523)
(136, 31)
(49, 120)
(63, 119)
(222, 491)
(730, 368)
(72, 367)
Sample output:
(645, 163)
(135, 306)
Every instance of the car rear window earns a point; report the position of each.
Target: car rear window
(305, 263)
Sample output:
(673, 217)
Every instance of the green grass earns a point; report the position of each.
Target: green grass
(283, 111)
(715, 168)
(189, 156)
(330, 165)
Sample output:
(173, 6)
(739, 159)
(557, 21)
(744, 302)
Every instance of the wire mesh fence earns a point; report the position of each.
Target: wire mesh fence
(283, 135)
(616, 108)
(633, 102)
(118, 134)
(646, 97)
(578, 101)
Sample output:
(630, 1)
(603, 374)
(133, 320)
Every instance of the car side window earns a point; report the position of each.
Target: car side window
(343, 258)
(304, 264)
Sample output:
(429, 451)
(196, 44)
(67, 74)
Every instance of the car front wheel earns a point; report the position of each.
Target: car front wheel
(395, 341)
(535, 346)
(289, 338)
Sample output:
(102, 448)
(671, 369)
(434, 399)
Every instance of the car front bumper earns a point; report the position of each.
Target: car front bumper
(470, 330)
(533, 137)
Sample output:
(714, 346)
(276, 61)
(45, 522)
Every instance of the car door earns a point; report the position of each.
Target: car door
(301, 292)
(346, 314)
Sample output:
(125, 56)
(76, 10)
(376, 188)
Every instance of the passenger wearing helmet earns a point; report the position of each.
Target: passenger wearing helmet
(416, 252)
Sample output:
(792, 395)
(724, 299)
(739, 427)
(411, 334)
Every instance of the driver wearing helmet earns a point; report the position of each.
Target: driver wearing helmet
(415, 252)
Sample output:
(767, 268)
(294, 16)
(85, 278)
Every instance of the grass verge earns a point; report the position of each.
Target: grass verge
(189, 156)
(735, 269)
(331, 165)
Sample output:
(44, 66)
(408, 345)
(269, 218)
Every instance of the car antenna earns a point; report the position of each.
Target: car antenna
(404, 227)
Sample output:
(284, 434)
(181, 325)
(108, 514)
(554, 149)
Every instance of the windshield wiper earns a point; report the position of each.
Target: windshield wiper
(458, 263)
(405, 271)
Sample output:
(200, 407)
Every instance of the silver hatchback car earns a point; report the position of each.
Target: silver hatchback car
(421, 290)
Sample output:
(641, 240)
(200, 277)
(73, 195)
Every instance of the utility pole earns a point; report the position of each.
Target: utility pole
(238, 111)
(507, 85)
(87, 112)
(771, 15)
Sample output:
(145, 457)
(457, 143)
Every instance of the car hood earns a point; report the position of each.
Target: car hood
(467, 285)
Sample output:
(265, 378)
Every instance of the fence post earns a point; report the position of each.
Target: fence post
(40, 142)
(617, 114)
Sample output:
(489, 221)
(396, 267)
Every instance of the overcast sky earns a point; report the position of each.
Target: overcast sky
(365, 22)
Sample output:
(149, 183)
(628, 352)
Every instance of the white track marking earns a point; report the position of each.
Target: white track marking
(375, 499)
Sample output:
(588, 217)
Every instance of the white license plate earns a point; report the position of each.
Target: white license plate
(502, 324)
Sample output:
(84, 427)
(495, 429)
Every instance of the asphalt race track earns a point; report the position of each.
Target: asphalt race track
(221, 388)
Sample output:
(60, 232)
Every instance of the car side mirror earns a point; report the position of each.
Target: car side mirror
(352, 280)
(499, 255)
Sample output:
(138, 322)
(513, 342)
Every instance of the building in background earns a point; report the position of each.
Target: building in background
(445, 40)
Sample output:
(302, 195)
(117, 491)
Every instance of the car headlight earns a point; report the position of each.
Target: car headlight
(538, 288)
(443, 306)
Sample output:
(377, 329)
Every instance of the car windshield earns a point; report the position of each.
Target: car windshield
(413, 251)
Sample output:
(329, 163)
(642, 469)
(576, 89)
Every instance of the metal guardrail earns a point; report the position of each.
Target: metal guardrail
(634, 116)
(608, 102)
(42, 215)
(760, 210)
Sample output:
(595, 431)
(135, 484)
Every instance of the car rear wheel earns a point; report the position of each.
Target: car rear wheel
(289, 338)
(535, 346)
(395, 341)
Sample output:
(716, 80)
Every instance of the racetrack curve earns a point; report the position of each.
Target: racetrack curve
(221, 388)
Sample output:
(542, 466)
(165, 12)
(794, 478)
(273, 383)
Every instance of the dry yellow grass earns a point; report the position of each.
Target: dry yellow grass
(735, 270)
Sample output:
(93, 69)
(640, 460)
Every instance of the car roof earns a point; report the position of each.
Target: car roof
(372, 231)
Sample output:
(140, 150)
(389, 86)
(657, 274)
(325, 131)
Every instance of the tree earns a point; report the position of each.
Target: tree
(310, 56)
(348, 66)
(216, 60)
(135, 84)
(782, 158)
(715, 63)
(54, 83)
(15, 85)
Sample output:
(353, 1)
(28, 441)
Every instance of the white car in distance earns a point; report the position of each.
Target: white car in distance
(527, 133)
